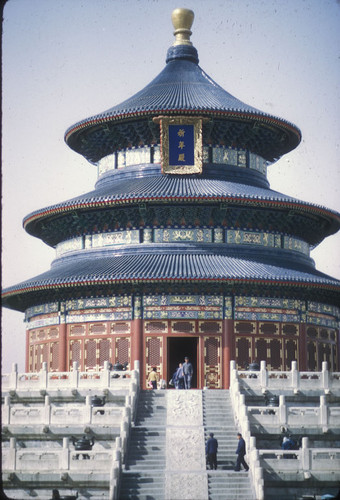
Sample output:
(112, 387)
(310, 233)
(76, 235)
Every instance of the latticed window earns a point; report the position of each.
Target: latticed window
(311, 356)
(269, 328)
(41, 334)
(289, 329)
(75, 351)
(210, 327)
(99, 328)
(312, 332)
(120, 328)
(77, 329)
(90, 354)
(154, 351)
(244, 327)
(275, 354)
(324, 334)
(155, 326)
(324, 355)
(54, 365)
(53, 333)
(261, 350)
(122, 350)
(104, 351)
(211, 356)
(291, 352)
(243, 351)
(38, 358)
(183, 326)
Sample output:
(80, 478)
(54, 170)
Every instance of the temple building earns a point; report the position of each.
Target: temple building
(182, 249)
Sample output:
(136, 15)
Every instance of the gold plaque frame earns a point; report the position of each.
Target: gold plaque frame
(184, 169)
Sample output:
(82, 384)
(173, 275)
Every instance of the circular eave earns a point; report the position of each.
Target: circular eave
(162, 268)
(183, 88)
(168, 189)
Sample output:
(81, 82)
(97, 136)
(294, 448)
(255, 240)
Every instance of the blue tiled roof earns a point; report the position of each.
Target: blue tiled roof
(170, 188)
(163, 266)
(184, 88)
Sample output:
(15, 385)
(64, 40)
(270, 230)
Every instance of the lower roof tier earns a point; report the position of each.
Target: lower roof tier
(95, 271)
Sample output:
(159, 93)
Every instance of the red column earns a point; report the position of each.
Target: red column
(228, 351)
(62, 348)
(302, 355)
(137, 353)
(27, 357)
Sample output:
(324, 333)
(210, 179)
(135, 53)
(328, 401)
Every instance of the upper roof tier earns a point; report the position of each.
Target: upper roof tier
(183, 88)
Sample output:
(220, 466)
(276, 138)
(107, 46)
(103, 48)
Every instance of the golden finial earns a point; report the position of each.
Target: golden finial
(182, 20)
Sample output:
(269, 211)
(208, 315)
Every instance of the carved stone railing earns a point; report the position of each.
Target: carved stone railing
(310, 461)
(263, 381)
(46, 459)
(241, 417)
(324, 416)
(18, 461)
(73, 380)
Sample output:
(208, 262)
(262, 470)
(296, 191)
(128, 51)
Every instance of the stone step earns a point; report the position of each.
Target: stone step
(145, 486)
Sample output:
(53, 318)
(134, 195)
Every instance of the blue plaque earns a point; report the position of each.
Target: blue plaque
(181, 145)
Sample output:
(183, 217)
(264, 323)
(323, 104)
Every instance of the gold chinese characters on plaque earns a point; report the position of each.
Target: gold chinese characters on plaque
(181, 144)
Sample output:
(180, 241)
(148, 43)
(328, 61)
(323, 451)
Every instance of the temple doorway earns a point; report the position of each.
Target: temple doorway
(177, 349)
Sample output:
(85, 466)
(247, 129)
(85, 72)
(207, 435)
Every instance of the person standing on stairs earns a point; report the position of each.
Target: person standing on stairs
(211, 451)
(241, 451)
(188, 371)
(153, 378)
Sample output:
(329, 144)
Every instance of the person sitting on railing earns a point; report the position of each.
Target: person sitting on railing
(98, 401)
(82, 444)
(288, 444)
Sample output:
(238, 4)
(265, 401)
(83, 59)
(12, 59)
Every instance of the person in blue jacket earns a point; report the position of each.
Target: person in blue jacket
(211, 451)
(241, 451)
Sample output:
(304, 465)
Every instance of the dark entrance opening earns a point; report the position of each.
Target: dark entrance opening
(178, 348)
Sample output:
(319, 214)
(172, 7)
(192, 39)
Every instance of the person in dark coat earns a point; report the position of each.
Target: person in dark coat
(211, 451)
(241, 451)
(188, 372)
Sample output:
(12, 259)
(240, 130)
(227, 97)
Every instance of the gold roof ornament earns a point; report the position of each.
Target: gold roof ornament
(182, 20)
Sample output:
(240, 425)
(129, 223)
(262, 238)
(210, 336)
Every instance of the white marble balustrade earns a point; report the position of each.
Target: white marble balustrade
(264, 381)
(75, 379)
(64, 458)
(313, 416)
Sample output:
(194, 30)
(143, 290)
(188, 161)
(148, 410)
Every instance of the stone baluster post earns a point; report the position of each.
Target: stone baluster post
(88, 410)
(13, 377)
(259, 483)
(47, 411)
(136, 365)
(263, 377)
(124, 430)
(43, 377)
(305, 455)
(323, 413)
(65, 454)
(325, 377)
(6, 411)
(295, 374)
(282, 410)
(75, 374)
(106, 375)
(12, 454)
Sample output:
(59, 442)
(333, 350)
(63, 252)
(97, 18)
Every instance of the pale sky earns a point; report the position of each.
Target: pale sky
(66, 60)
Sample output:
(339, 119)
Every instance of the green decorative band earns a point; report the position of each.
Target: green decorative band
(180, 234)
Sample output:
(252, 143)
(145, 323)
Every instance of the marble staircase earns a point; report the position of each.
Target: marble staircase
(166, 451)
(224, 483)
(143, 477)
